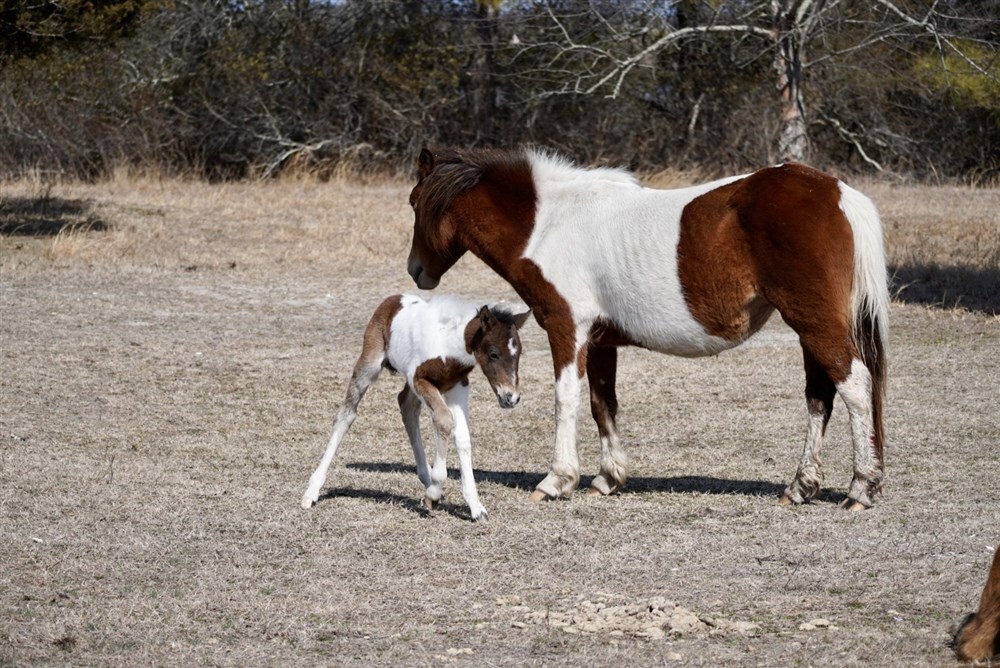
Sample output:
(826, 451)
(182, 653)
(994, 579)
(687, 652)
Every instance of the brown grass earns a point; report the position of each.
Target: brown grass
(167, 380)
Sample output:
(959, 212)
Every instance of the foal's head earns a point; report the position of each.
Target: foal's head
(495, 343)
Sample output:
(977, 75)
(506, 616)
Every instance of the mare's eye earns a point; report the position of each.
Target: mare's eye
(494, 355)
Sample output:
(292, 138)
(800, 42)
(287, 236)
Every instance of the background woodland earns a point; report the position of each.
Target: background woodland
(229, 89)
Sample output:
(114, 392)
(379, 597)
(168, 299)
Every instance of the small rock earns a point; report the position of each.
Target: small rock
(674, 656)
(806, 626)
(651, 632)
(820, 622)
(684, 621)
(519, 625)
(746, 628)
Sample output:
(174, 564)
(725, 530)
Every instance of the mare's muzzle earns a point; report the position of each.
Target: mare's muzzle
(419, 276)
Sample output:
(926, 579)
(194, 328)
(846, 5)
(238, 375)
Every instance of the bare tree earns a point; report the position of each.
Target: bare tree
(795, 34)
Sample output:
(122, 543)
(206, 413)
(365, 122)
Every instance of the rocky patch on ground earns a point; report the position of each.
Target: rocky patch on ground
(652, 619)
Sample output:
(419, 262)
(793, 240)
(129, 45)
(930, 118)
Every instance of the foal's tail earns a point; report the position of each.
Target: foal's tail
(869, 297)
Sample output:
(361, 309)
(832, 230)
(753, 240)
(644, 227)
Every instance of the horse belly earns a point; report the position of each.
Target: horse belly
(649, 305)
(667, 326)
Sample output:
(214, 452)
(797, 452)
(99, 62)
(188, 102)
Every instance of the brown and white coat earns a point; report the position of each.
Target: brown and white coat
(605, 262)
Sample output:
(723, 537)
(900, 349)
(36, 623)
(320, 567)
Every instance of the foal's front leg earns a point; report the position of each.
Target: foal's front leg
(409, 408)
(458, 401)
(444, 427)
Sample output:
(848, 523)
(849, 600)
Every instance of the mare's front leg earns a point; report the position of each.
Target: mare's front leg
(568, 357)
(602, 365)
(458, 401)
(444, 426)
(366, 372)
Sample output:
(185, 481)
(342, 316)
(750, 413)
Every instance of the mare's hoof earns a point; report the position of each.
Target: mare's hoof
(482, 518)
(538, 496)
(786, 500)
(593, 491)
(308, 502)
(852, 505)
(430, 504)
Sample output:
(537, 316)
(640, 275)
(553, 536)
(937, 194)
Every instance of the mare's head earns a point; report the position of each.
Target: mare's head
(494, 341)
(466, 200)
(442, 174)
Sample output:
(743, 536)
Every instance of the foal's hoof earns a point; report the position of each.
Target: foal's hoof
(481, 518)
(430, 504)
(853, 505)
(308, 502)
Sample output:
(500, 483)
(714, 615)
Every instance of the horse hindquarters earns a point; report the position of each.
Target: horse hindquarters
(819, 260)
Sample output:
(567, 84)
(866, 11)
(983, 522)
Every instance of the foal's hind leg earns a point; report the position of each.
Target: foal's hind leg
(820, 391)
(601, 373)
(366, 372)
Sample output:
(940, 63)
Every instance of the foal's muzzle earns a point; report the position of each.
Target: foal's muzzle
(508, 399)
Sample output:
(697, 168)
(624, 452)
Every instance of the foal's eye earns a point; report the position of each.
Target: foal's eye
(494, 355)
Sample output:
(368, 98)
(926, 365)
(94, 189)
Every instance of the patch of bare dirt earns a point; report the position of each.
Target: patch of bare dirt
(167, 383)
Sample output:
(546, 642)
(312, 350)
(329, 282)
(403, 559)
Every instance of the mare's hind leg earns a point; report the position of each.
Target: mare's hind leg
(366, 372)
(820, 391)
(856, 391)
(602, 364)
(409, 408)
(833, 351)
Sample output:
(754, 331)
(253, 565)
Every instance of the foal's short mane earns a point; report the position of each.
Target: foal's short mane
(458, 170)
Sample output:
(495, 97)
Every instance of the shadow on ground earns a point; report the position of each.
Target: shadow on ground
(526, 481)
(412, 504)
(947, 286)
(46, 216)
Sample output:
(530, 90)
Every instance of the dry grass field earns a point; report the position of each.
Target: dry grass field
(171, 357)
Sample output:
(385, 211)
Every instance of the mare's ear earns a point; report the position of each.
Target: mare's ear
(425, 163)
(521, 318)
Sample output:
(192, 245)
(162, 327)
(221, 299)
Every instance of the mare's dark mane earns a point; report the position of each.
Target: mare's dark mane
(456, 171)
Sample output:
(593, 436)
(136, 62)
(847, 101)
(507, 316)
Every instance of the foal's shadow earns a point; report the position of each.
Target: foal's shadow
(526, 481)
(411, 504)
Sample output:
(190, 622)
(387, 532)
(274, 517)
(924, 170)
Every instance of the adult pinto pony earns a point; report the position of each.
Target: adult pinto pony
(604, 262)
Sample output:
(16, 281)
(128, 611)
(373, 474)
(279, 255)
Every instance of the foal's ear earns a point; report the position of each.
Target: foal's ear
(425, 163)
(521, 318)
(486, 317)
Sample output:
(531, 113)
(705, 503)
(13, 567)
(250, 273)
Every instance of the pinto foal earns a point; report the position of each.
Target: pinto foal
(435, 343)
(978, 636)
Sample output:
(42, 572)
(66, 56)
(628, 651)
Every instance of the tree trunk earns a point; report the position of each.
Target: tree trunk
(793, 140)
(484, 95)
